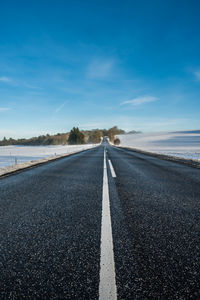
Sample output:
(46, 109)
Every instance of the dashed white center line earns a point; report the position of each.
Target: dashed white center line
(112, 169)
(107, 285)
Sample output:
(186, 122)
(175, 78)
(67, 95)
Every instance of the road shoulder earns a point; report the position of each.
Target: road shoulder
(189, 162)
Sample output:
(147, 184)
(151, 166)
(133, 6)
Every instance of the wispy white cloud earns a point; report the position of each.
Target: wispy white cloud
(19, 82)
(100, 69)
(140, 100)
(5, 79)
(197, 75)
(60, 107)
(2, 109)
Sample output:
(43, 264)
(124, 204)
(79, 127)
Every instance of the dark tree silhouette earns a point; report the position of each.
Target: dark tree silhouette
(116, 141)
(76, 137)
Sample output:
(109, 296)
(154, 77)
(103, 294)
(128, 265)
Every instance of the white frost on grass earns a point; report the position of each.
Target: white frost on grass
(9, 155)
(183, 144)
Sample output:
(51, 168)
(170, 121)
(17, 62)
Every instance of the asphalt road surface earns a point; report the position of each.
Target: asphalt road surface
(58, 241)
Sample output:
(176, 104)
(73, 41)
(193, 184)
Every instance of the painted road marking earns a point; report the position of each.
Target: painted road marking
(112, 169)
(107, 285)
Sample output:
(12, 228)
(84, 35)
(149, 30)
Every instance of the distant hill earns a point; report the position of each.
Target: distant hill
(57, 139)
(90, 136)
(133, 131)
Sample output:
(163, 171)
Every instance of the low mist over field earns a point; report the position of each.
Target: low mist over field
(180, 143)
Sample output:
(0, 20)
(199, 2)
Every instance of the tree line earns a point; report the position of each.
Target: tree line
(75, 136)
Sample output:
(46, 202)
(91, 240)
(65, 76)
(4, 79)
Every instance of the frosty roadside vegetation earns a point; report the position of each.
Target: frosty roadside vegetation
(183, 144)
(15, 157)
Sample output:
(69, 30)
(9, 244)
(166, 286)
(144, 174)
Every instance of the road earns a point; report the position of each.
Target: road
(58, 240)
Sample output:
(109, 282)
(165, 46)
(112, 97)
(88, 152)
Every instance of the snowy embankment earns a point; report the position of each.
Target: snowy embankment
(13, 158)
(183, 144)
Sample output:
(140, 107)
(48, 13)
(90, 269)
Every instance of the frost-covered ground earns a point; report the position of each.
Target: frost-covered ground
(9, 155)
(184, 144)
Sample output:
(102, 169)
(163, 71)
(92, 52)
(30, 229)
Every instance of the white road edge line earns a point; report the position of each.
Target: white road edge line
(107, 285)
(112, 169)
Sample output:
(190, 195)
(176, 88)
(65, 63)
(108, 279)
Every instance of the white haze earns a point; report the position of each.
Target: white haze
(185, 144)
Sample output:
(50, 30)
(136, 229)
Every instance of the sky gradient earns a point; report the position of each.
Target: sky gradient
(96, 64)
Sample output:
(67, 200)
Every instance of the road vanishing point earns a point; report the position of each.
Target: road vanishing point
(107, 223)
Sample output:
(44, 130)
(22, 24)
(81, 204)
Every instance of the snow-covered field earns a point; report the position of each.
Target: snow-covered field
(184, 144)
(10, 155)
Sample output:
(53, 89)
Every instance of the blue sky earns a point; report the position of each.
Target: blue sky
(135, 64)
